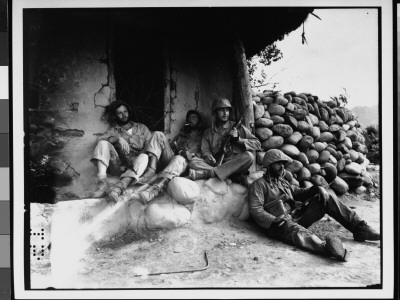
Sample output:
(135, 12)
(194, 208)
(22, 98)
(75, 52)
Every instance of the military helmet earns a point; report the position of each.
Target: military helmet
(274, 155)
(221, 103)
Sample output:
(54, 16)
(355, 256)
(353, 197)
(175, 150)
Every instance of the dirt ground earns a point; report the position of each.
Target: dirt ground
(239, 256)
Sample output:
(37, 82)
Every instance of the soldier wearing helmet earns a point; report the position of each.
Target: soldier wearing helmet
(285, 211)
(221, 103)
(237, 159)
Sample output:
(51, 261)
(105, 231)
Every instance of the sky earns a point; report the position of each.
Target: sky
(341, 52)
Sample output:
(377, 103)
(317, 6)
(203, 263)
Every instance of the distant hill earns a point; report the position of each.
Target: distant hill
(366, 115)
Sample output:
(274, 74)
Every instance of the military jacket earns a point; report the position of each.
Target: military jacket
(214, 137)
(137, 139)
(266, 189)
(189, 141)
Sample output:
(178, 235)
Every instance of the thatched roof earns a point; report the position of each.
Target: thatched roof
(263, 30)
(257, 26)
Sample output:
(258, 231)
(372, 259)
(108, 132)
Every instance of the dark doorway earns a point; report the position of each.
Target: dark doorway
(139, 73)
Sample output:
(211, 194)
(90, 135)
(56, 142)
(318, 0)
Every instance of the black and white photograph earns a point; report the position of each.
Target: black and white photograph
(214, 150)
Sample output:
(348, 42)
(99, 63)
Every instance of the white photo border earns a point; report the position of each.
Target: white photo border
(387, 179)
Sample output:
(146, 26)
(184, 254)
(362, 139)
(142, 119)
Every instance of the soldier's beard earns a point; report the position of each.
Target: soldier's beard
(123, 122)
(276, 173)
(191, 126)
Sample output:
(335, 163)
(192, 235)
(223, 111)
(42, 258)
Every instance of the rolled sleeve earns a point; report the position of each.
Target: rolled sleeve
(250, 142)
(303, 194)
(108, 134)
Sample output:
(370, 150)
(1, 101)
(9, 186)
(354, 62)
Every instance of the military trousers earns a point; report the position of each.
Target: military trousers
(295, 231)
(240, 163)
(106, 153)
(175, 167)
(160, 147)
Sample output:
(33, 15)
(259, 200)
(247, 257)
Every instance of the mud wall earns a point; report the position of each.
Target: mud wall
(66, 86)
(69, 79)
(200, 71)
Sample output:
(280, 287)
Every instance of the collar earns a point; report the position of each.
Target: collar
(275, 180)
(225, 126)
(120, 128)
(191, 132)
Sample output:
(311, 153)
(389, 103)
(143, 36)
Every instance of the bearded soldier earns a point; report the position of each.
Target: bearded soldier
(122, 147)
(131, 146)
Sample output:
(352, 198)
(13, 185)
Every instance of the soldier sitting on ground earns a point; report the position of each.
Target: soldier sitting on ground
(237, 159)
(130, 145)
(159, 153)
(285, 211)
(187, 145)
(121, 147)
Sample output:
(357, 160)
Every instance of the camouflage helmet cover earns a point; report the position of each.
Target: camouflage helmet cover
(274, 155)
(221, 103)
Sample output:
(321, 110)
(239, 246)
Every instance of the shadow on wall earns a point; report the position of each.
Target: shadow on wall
(46, 172)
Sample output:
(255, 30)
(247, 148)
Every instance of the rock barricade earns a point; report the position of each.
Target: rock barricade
(323, 138)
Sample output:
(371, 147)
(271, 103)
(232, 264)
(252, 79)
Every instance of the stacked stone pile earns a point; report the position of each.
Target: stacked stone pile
(323, 139)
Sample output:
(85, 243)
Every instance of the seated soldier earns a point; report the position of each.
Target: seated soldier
(122, 146)
(238, 157)
(187, 144)
(283, 221)
(159, 154)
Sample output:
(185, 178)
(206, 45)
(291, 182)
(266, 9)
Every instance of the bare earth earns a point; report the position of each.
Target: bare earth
(239, 256)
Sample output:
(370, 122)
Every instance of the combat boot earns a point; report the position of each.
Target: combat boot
(147, 175)
(113, 196)
(240, 179)
(150, 171)
(334, 248)
(199, 174)
(101, 189)
(364, 232)
(154, 190)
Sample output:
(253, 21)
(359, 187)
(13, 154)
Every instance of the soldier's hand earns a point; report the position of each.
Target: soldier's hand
(182, 153)
(234, 134)
(281, 220)
(124, 145)
(323, 195)
(186, 154)
(210, 160)
(189, 155)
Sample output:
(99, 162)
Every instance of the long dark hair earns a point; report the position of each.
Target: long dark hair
(109, 114)
(193, 112)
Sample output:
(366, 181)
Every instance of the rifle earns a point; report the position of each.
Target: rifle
(228, 139)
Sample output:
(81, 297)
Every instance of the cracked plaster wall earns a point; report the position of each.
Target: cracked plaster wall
(67, 80)
(199, 72)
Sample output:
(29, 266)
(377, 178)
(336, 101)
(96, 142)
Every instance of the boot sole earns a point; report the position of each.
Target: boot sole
(336, 249)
